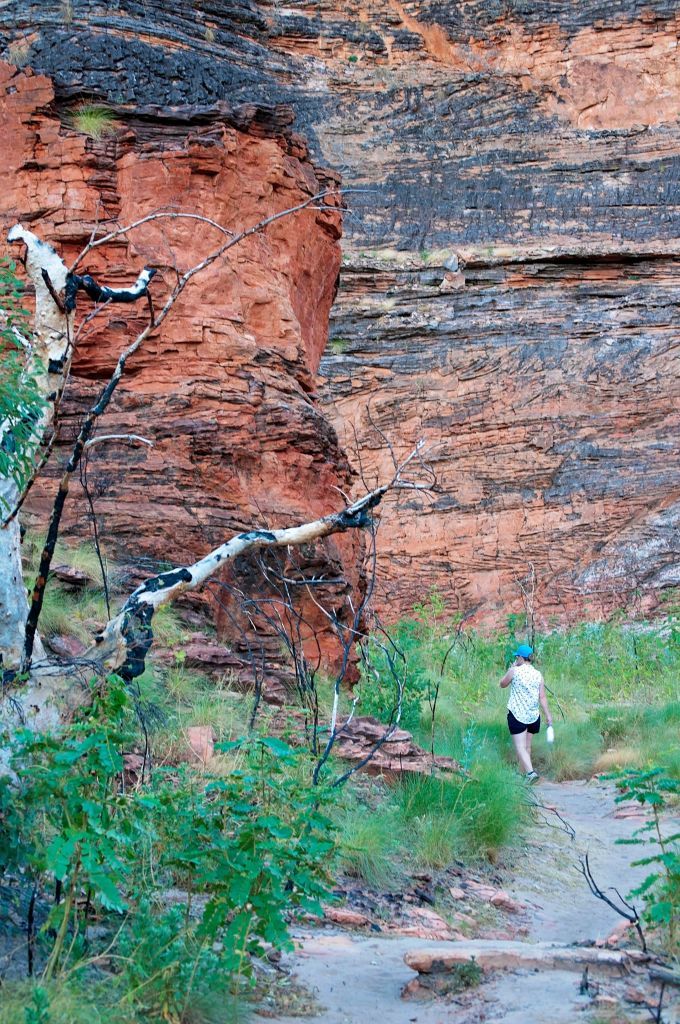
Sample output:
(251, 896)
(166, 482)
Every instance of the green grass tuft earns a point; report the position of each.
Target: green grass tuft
(493, 808)
(574, 753)
(437, 840)
(93, 120)
(369, 845)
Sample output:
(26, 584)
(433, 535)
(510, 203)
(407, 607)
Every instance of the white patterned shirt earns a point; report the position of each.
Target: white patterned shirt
(524, 693)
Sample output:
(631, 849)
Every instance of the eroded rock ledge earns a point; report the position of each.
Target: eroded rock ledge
(225, 390)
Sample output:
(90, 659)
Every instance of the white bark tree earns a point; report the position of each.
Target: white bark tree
(44, 692)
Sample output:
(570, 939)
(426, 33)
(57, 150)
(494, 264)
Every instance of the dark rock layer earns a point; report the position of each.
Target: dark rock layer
(510, 284)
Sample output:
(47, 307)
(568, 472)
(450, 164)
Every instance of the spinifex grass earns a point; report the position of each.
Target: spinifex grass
(93, 119)
(369, 845)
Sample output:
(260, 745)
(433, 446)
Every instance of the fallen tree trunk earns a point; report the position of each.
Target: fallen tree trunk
(51, 692)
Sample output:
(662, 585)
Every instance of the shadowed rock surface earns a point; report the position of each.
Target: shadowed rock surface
(510, 282)
(225, 389)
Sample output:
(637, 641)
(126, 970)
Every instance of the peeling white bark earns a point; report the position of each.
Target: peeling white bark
(47, 360)
(13, 602)
(123, 643)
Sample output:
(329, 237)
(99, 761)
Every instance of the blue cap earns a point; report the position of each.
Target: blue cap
(523, 651)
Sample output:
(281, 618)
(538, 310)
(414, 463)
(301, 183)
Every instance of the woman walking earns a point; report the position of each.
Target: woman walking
(527, 692)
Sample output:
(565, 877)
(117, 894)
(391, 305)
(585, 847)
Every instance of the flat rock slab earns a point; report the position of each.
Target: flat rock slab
(493, 955)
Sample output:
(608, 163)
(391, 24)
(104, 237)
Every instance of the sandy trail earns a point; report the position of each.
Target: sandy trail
(358, 979)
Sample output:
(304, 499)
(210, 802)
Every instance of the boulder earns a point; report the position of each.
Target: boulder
(346, 917)
(397, 755)
(423, 923)
(201, 742)
(513, 955)
(66, 647)
(76, 579)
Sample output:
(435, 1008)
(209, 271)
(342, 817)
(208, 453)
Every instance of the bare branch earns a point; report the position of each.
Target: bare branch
(629, 913)
(118, 437)
(126, 639)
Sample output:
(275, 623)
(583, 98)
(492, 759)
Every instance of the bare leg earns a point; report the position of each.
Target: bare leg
(521, 751)
(527, 742)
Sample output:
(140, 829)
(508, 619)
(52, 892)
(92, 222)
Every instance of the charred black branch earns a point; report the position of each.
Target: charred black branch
(629, 913)
(101, 293)
(138, 636)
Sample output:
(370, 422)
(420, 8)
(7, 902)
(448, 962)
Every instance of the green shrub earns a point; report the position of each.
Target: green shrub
(170, 973)
(22, 404)
(62, 1002)
(254, 846)
(460, 977)
(661, 888)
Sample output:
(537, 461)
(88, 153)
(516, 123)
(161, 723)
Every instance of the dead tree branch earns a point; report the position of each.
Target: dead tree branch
(626, 910)
(72, 284)
(124, 642)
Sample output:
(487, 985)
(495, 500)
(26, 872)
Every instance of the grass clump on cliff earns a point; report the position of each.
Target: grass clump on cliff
(94, 120)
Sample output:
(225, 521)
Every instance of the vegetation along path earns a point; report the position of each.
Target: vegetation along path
(360, 978)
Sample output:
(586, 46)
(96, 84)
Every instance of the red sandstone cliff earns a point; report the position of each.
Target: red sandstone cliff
(510, 280)
(224, 390)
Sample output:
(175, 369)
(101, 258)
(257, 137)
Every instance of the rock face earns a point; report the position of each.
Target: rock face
(510, 280)
(225, 389)
(362, 742)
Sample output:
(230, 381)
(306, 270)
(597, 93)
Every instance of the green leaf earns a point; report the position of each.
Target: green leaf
(107, 891)
(277, 746)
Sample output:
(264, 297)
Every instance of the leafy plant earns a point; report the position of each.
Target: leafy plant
(167, 967)
(462, 976)
(68, 821)
(39, 1012)
(247, 850)
(661, 888)
(423, 644)
(21, 401)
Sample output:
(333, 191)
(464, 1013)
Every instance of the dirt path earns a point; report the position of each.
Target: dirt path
(358, 979)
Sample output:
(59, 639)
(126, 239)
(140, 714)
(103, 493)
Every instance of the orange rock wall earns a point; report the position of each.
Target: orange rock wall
(510, 277)
(224, 390)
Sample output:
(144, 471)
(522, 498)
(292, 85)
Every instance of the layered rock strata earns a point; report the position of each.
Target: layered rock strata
(510, 283)
(224, 391)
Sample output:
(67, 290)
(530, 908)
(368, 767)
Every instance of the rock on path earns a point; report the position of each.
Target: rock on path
(359, 979)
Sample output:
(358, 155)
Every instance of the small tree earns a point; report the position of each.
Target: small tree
(36, 364)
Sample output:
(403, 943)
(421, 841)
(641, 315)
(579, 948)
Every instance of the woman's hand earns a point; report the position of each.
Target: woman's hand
(507, 678)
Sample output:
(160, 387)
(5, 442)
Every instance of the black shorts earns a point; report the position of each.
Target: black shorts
(516, 727)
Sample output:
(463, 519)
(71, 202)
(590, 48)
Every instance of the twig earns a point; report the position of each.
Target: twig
(630, 914)
(118, 437)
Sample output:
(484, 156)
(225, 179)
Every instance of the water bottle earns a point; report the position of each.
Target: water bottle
(550, 734)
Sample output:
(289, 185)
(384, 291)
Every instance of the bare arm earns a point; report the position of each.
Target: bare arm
(507, 678)
(544, 702)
